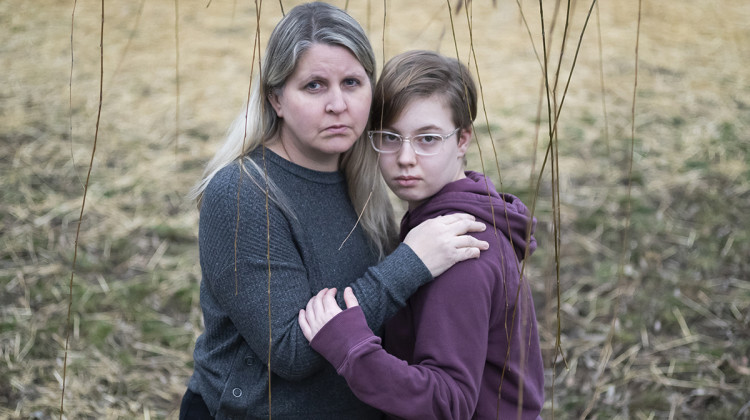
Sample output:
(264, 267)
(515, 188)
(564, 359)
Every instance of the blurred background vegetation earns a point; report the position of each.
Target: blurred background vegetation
(654, 235)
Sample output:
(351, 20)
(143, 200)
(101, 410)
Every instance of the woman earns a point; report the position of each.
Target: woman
(291, 204)
(466, 345)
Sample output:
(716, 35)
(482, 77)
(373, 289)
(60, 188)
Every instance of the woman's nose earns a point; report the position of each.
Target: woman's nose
(336, 102)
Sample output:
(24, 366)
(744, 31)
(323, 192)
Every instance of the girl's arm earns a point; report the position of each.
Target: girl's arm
(451, 320)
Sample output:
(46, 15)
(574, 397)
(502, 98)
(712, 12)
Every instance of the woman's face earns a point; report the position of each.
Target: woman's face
(323, 107)
(415, 178)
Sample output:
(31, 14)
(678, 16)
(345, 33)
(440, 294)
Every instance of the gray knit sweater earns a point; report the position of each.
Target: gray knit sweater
(232, 355)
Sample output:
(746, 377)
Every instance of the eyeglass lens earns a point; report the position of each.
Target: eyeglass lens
(423, 144)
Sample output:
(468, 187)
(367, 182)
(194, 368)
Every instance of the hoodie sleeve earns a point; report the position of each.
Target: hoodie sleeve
(451, 319)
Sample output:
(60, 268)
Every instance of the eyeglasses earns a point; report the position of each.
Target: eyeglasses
(423, 144)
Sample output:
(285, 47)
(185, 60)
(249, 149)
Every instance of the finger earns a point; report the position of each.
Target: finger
(467, 253)
(314, 307)
(466, 225)
(472, 253)
(329, 302)
(309, 306)
(472, 226)
(304, 325)
(455, 217)
(462, 226)
(317, 304)
(349, 298)
(467, 241)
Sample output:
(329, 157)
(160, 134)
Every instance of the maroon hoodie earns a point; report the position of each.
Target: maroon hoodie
(461, 340)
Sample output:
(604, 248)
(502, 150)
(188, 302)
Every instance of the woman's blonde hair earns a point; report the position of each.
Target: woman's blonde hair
(303, 26)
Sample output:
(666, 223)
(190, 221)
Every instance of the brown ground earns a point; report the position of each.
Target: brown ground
(662, 247)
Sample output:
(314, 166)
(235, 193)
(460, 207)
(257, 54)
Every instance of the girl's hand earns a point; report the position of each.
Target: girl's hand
(443, 241)
(321, 309)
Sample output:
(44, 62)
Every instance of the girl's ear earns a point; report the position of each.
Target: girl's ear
(463, 140)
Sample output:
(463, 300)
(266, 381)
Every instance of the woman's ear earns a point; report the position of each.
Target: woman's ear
(463, 140)
(273, 99)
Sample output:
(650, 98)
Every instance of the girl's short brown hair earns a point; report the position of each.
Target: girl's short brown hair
(421, 74)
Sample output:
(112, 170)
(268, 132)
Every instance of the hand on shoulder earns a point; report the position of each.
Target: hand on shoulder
(443, 241)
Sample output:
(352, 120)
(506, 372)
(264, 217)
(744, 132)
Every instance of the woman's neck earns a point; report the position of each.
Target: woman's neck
(292, 154)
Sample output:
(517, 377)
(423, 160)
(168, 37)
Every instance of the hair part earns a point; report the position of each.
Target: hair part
(303, 26)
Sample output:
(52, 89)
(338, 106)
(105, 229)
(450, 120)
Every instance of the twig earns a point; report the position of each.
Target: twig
(83, 206)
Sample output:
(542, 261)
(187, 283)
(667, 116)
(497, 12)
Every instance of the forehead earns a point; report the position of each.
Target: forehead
(424, 111)
(327, 59)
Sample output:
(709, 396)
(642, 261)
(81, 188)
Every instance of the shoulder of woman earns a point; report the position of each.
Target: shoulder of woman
(231, 180)
(225, 189)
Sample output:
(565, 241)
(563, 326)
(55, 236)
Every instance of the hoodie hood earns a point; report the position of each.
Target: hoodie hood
(476, 195)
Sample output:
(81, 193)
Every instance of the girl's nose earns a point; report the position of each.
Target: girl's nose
(406, 155)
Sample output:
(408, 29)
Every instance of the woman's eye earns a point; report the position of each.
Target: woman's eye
(351, 82)
(313, 86)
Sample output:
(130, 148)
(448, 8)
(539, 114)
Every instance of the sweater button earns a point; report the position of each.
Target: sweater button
(249, 360)
(237, 392)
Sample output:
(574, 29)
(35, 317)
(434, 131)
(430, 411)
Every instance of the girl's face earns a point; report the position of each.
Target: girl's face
(323, 107)
(415, 178)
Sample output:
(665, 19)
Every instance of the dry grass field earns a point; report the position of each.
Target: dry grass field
(648, 292)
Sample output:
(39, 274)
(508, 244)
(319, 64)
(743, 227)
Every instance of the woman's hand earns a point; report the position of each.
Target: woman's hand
(442, 241)
(321, 309)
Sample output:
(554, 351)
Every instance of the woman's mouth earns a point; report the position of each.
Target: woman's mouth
(337, 129)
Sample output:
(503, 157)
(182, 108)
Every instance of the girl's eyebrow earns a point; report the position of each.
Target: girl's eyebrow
(428, 127)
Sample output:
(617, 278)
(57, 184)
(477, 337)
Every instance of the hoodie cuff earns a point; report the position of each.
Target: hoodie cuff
(343, 333)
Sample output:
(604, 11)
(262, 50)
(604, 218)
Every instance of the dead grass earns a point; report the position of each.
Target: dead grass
(681, 338)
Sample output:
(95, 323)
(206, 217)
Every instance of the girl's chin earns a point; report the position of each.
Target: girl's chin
(412, 198)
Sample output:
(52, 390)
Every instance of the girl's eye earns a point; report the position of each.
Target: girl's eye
(391, 138)
(428, 138)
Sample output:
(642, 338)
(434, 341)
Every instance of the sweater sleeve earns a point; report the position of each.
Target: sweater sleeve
(243, 269)
(451, 318)
(384, 288)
